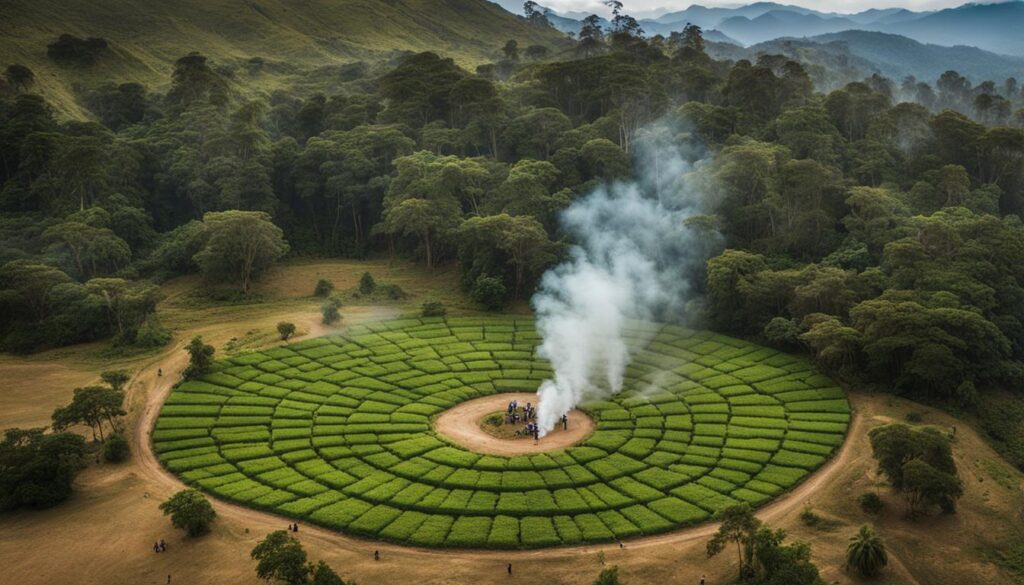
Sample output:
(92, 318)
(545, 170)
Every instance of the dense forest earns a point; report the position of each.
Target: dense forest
(883, 236)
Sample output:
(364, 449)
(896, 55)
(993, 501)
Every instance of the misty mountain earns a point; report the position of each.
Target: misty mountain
(992, 27)
(897, 56)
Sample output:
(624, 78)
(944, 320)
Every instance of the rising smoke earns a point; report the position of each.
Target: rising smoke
(632, 259)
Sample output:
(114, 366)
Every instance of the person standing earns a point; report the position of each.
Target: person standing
(376, 555)
(510, 568)
(565, 422)
(702, 580)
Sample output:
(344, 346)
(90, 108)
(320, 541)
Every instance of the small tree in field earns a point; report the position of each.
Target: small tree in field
(240, 245)
(200, 358)
(116, 449)
(433, 308)
(281, 559)
(367, 284)
(866, 552)
(190, 511)
(91, 406)
(738, 525)
(330, 312)
(285, 330)
(323, 288)
(489, 292)
(609, 576)
(116, 379)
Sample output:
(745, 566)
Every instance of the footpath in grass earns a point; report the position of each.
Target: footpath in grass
(337, 431)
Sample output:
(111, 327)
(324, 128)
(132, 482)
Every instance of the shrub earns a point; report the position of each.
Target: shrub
(433, 308)
(152, 334)
(391, 292)
(190, 511)
(285, 330)
(366, 284)
(489, 292)
(323, 288)
(330, 313)
(200, 358)
(116, 449)
(870, 502)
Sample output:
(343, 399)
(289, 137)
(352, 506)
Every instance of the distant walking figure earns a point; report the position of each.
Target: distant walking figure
(376, 555)
(510, 568)
(296, 527)
(159, 372)
(163, 545)
(168, 580)
(565, 422)
(156, 547)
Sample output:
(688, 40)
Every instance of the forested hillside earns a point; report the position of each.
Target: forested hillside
(882, 237)
(257, 44)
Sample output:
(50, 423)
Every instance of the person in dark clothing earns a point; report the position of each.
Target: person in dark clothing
(702, 580)
(163, 545)
(296, 527)
(565, 422)
(510, 568)
(376, 555)
(156, 547)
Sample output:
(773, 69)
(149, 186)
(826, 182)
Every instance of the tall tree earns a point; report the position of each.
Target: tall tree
(240, 246)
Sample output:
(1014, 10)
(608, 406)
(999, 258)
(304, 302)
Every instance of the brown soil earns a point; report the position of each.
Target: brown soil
(463, 426)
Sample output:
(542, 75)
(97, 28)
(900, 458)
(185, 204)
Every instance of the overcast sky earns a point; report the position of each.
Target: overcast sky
(637, 6)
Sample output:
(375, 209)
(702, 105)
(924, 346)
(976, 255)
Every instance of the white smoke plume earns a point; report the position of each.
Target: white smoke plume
(631, 259)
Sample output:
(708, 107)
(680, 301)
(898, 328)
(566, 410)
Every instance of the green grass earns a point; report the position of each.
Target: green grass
(338, 439)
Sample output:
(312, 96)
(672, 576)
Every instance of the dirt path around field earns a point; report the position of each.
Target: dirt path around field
(150, 467)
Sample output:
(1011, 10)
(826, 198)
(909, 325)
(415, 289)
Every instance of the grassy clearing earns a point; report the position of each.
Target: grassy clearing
(337, 430)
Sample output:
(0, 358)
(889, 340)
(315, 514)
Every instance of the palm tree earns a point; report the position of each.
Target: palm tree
(866, 552)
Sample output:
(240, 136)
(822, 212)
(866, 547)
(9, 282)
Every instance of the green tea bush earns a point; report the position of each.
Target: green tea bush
(336, 430)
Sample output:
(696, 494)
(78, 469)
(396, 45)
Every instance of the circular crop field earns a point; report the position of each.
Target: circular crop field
(339, 431)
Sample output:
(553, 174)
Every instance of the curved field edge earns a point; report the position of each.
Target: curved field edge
(745, 423)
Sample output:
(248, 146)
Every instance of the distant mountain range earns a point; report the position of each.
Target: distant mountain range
(146, 37)
(995, 27)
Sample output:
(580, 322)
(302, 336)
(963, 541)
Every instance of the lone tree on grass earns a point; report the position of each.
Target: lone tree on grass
(200, 358)
(866, 552)
(281, 559)
(91, 406)
(609, 576)
(330, 312)
(190, 511)
(116, 448)
(240, 246)
(323, 288)
(116, 379)
(285, 330)
(919, 464)
(738, 525)
(367, 284)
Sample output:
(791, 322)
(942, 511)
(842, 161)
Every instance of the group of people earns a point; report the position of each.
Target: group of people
(159, 547)
(293, 527)
(529, 416)
(529, 412)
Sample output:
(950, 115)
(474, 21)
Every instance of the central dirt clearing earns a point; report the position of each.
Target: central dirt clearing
(466, 426)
